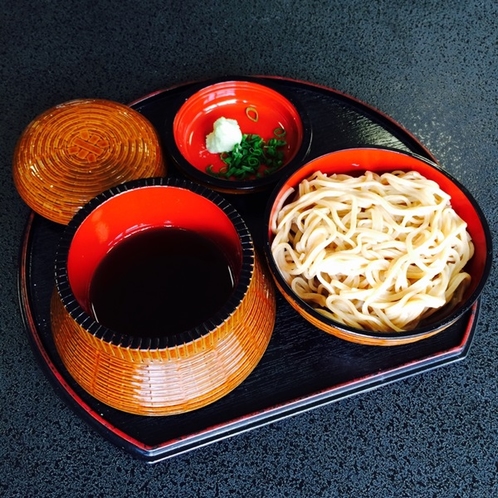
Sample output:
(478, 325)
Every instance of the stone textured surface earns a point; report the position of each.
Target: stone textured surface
(430, 65)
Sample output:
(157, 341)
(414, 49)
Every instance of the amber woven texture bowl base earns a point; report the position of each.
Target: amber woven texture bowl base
(170, 380)
(76, 150)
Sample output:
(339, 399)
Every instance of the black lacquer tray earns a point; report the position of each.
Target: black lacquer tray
(303, 368)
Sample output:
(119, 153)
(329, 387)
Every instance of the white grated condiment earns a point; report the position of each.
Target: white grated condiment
(225, 135)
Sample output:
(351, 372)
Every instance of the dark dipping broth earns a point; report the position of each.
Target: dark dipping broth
(160, 282)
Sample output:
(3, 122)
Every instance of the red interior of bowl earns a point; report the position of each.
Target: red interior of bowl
(139, 209)
(230, 99)
(356, 161)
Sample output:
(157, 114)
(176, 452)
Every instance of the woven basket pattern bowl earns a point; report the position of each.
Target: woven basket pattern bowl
(357, 161)
(169, 374)
(76, 150)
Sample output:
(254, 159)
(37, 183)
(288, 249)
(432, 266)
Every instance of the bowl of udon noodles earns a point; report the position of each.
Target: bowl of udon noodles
(377, 246)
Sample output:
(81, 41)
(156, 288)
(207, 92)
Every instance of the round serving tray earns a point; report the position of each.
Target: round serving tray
(303, 368)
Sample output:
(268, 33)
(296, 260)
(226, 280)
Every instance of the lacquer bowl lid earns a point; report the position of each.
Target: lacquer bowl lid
(75, 150)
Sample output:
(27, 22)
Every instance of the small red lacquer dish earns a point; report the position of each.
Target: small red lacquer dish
(258, 110)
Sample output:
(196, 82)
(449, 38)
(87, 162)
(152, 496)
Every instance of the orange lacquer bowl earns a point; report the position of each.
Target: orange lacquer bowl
(168, 373)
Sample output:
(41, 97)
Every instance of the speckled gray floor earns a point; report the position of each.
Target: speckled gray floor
(432, 66)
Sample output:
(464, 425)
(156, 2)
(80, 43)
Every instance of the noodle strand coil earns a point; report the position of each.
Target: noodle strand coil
(379, 252)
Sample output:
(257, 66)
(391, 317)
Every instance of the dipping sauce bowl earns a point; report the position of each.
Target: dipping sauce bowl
(161, 305)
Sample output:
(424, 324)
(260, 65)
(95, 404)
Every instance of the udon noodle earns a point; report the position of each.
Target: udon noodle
(377, 252)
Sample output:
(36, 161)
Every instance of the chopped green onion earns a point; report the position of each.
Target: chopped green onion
(252, 157)
(252, 114)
